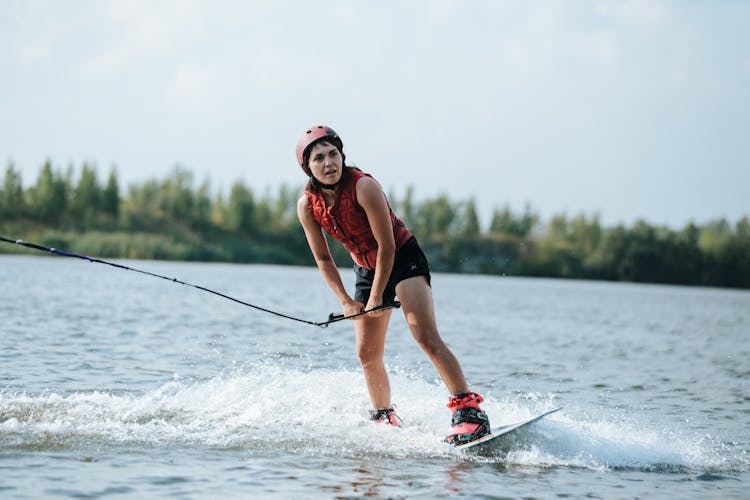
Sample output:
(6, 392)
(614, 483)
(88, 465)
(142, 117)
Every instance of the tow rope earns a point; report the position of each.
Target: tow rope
(332, 318)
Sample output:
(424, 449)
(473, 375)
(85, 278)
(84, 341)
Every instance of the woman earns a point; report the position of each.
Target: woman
(351, 206)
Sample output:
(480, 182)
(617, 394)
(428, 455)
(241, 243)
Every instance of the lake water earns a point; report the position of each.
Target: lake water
(114, 384)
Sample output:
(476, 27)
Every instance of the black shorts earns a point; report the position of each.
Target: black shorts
(409, 261)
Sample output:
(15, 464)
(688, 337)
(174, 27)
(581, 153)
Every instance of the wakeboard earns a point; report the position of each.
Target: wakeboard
(492, 439)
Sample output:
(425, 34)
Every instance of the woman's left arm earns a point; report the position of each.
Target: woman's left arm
(371, 198)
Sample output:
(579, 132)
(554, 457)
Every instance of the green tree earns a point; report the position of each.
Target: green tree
(12, 204)
(220, 212)
(741, 250)
(177, 197)
(285, 208)
(406, 209)
(470, 223)
(110, 200)
(241, 209)
(506, 222)
(49, 196)
(142, 205)
(731, 256)
(715, 236)
(202, 204)
(434, 218)
(263, 215)
(87, 195)
(684, 262)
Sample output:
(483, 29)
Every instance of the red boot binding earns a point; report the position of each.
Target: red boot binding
(469, 421)
(386, 415)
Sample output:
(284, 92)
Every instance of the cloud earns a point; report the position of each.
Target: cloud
(642, 12)
(35, 35)
(139, 30)
(190, 82)
(553, 40)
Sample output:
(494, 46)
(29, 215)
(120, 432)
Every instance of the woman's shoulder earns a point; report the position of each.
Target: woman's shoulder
(368, 187)
(303, 202)
(355, 174)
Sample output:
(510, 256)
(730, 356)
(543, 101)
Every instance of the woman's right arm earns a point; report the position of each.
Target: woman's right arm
(322, 254)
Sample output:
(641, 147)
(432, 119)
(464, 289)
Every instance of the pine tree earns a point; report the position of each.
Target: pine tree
(470, 223)
(12, 204)
(110, 202)
(87, 196)
(49, 197)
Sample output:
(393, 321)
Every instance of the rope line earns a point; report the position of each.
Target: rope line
(333, 318)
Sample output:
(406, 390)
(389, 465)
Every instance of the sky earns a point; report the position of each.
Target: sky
(631, 109)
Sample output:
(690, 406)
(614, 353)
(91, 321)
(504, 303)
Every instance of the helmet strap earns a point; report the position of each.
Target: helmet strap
(316, 183)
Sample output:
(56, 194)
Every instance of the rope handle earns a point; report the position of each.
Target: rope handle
(333, 317)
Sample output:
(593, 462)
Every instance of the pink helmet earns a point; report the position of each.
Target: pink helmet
(312, 135)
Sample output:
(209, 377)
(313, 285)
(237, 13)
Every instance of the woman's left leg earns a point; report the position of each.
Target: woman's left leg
(416, 302)
(469, 422)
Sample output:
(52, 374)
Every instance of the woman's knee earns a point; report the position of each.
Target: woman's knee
(370, 352)
(429, 340)
(369, 355)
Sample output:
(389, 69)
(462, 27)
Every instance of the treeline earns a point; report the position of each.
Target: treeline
(176, 219)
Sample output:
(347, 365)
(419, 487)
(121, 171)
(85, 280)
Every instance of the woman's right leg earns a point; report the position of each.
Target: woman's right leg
(370, 333)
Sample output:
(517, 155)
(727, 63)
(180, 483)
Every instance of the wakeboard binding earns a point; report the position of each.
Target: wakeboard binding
(386, 416)
(469, 421)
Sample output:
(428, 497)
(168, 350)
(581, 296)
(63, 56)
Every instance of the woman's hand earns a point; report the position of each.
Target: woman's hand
(372, 304)
(352, 307)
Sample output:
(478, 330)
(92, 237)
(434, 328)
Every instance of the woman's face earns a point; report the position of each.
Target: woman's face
(325, 163)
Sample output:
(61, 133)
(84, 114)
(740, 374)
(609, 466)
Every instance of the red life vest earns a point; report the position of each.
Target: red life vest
(347, 222)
